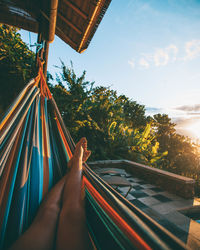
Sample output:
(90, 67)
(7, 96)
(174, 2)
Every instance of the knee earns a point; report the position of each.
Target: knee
(48, 213)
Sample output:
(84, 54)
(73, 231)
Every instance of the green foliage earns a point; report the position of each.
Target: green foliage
(134, 114)
(145, 146)
(16, 65)
(115, 126)
(183, 155)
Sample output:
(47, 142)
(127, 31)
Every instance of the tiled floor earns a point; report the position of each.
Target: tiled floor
(160, 205)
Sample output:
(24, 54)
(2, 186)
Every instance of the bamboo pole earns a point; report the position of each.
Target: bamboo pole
(46, 55)
(51, 22)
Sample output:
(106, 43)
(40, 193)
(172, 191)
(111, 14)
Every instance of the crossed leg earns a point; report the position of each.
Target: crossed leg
(41, 234)
(61, 213)
(72, 231)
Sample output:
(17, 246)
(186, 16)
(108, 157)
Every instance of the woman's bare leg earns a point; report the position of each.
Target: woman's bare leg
(41, 234)
(72, 230)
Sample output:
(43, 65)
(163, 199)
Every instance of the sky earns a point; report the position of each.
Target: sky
(148, 50)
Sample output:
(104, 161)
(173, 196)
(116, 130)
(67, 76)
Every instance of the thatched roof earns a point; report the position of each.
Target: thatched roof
(77, 20)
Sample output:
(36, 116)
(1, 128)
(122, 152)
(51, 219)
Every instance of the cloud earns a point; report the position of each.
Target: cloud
(172, 51)
(160, 57)
(144, 63)
(192, 49)
(153, 110)
(190, 111)
(132, 63)
(163, 56)
(189, 108)
(195, 113)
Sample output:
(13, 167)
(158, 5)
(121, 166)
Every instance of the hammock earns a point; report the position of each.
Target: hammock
(35, 147)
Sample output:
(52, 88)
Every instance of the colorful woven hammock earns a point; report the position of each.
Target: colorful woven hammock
(35, 147)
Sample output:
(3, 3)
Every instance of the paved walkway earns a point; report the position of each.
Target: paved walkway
(162, 206)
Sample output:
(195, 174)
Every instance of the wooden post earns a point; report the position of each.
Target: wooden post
(46, 54)
(52, 20)
(49, 16)
(46, 32)
(39, 40)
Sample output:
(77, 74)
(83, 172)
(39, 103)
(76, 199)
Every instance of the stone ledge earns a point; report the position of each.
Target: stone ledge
(179, 185)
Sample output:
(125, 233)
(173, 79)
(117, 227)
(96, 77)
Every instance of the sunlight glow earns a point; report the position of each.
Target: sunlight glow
(194, 128)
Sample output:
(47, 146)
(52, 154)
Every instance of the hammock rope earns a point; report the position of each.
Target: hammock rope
(35, 147)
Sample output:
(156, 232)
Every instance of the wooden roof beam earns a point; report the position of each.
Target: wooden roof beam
(52, 20)
(18, 21)
(75, 8)
(66, 38)
(69, 23)
(91, 23)
(48, 23)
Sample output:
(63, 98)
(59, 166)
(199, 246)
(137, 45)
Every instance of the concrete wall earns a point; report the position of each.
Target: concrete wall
(173, 183)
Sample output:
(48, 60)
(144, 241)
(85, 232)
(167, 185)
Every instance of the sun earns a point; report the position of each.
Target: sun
(194, 129)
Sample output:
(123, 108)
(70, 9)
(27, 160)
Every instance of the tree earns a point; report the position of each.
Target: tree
(16, 65)
(134, 114)
(182, 156)
(115, 126)
(71, 94)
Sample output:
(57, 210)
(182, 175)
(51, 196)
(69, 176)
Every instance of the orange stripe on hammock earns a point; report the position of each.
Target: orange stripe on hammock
(37, 78)
(44, 150)
(63, 138)
(119, 221)
(43, 84)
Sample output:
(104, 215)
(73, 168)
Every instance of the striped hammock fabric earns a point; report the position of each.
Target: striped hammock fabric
(35, 147)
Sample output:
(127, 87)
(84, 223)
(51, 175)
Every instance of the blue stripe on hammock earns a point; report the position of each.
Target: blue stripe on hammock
(39, 135)
(12, 184)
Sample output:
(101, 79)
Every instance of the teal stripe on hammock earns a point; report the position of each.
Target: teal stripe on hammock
(63, 146)
(14, 128)
(17, 98)
(39, 135)
(28, 160)
(93, 236)
(59, 154)
(60, 143)
(102, 218)
(14, 122)
(4, 160)
(17, 211)
(35, 168)
(27, 201)
(110, 231)
(20, 194)
(26, 216)
(57, 169)
(23, 107)
(49, 147)
(34, 190)
(120, 238)
(12, 185)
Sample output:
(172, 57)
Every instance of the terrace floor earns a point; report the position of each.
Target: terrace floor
(162, 206)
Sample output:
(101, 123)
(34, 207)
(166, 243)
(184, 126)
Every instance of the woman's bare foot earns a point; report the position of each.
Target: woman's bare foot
(81, 153)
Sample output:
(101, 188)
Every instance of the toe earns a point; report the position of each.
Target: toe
(86, 155)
